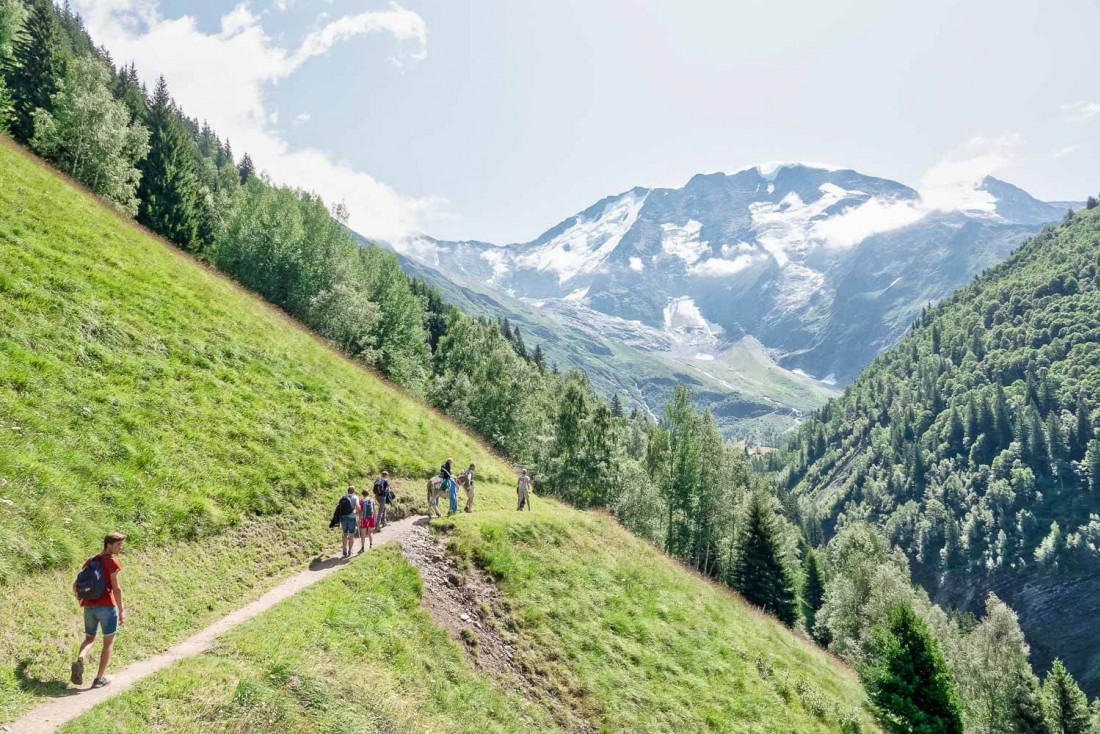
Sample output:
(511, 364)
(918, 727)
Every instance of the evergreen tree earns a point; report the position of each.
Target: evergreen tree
(616, 406)
(908, 682)
(169, 190)
(1067, 709)
(36, 67)
(247, 169)
(1092, 465)
(1027, 714)
(759, 572)
(539, 358)
(813, 591)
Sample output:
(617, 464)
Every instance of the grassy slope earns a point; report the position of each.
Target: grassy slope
(139, 391)
(354, 653)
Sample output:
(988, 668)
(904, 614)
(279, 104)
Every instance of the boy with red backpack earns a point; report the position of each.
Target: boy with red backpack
(100, 595)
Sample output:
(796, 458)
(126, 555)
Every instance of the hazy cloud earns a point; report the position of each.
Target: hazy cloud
(1063, 152)
(222, 77)
(953, 182)
(1080, 111)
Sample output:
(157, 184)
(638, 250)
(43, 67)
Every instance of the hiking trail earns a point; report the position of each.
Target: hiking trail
(56, 712)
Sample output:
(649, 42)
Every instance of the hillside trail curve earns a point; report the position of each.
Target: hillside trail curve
(55, 712)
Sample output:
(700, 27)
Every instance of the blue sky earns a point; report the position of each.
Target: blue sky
(495, 120)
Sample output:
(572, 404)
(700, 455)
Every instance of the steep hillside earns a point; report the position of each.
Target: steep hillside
(974, 444)
(140, 391)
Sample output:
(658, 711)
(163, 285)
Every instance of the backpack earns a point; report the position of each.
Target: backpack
(345, 507)
(91, 582)
(379, 486)
(369, 510)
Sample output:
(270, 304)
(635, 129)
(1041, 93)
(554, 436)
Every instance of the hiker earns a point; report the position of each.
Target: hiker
(383, 495)
(100, 596)
(449, 482)
(366, 521)
(346, 516)
(466, 480)
(523, 491)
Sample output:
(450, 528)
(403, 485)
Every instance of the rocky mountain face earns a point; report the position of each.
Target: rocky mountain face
(822, 268)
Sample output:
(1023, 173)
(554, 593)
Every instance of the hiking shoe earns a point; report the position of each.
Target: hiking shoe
(76, 676)
(100, 682)
(361, 550)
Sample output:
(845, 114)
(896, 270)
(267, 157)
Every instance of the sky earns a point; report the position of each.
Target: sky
(495, 120)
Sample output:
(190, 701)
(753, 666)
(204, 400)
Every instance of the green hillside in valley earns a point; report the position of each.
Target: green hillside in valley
(974, 445)
(139, 391)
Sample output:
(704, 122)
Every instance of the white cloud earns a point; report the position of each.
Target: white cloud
(718, 267)
(1063, 152)
(222, 77)
(953, 182)
(871, 217)
(1080, 111)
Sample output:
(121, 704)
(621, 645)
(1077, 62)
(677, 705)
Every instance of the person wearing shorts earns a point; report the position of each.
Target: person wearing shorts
(366, 521)
(102, 614)
(349, 524)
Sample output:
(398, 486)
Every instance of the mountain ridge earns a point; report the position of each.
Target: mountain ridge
(825, 267)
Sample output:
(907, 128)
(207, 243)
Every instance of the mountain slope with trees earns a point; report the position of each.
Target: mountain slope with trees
(142, 391)
(973, 445)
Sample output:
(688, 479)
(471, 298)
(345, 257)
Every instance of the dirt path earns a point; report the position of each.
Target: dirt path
(53, 713)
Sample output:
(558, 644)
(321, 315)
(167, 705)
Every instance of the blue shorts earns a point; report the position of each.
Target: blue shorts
(348, 524)
(106, 618)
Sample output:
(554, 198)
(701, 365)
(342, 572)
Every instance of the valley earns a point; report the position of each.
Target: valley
(807, 272)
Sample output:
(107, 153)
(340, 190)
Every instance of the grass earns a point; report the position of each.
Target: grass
(640, 644)
(355, 653)
(141, 392)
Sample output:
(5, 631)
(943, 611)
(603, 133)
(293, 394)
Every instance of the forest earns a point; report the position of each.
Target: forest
(956, 450)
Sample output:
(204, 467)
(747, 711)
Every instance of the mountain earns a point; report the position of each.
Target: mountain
(820, 269)
(142, 391)
(974, 444)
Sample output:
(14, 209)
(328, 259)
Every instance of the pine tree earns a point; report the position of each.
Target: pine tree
(517, 342)
(169, 188)
(1082, 432)
(36, 67)
(247, 169)
(1027, 712)
(1092, 465)
(813, 591)
(909, 682)
(539, 358)
(616, 406)
(1067, 709)
(759, 572)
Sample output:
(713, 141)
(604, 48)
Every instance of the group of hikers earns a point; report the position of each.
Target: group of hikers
(100, 594)
(359, 517)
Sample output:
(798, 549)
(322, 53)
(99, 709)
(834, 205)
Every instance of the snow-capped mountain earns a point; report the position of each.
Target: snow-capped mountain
(823, 267)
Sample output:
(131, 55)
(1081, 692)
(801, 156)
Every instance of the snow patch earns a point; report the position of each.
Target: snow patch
(577, 296)
(683, 241)
(684, 322)
(703, 357)
(636, 264)
(586, 243)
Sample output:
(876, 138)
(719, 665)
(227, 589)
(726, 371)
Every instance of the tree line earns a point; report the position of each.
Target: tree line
(673, 480)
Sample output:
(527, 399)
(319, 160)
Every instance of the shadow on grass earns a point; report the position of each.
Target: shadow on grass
(39, 687)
